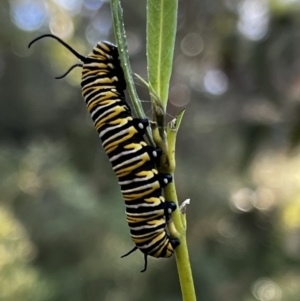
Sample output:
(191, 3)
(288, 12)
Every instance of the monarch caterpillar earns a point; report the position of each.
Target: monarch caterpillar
(132, 159)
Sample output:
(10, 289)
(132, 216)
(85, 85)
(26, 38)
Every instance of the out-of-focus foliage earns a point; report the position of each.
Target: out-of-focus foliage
(63, 228)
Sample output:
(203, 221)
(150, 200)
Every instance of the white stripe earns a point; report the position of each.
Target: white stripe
(95, 111)
(137, 158)
(95, 64)
(111, 86)
(142, 205)
(115, 136)
(111, 128)
(146, 227)
(137, 236)
(147, 186)
(163, 239)
(135, 180)
(88, 77)
(99, 94)
(103, 114)
(138, 214)
(99, 104)
(101, 81)
(123, 154)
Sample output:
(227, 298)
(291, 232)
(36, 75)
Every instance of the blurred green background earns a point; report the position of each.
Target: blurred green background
(62, 221)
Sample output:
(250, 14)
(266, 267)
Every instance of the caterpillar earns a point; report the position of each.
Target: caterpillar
(132, 159)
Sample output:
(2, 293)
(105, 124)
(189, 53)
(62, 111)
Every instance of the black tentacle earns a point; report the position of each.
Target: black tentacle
(70, 69)
(79, 56)
(131, 251)
(146, 263)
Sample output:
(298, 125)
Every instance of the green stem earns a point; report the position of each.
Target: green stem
(120, 34)
(182, 255)
(181, 252)
(184, 271)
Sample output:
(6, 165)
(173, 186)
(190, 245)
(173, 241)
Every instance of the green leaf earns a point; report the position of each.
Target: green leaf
(161, 31)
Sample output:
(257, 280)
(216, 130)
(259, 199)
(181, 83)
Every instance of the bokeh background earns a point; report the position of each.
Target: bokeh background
(62, 222)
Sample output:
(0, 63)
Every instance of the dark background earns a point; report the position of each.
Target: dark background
(62, 221)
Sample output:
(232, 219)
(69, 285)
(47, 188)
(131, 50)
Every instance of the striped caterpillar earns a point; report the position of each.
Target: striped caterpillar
(132, 159)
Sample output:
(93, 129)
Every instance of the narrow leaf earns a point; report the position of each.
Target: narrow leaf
(161, 31)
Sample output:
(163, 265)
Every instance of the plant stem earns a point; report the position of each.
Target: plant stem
(181, 252)
(184, 271)
(182, 255)
(120, 34)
